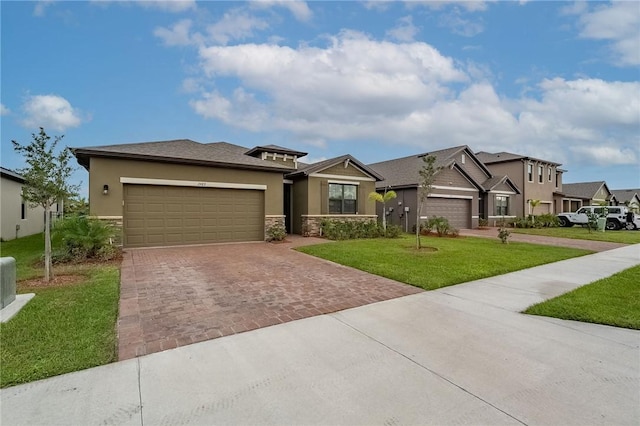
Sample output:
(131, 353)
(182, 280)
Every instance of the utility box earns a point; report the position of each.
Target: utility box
(8, 281)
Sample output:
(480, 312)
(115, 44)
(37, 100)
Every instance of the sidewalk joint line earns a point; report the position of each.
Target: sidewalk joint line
(139, 391)
(429, 370)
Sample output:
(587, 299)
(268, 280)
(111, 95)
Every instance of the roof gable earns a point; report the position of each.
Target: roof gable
(327, 164)
(401, 172)
(586, 190)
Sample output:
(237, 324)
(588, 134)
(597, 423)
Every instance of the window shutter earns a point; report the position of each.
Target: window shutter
(324, 197)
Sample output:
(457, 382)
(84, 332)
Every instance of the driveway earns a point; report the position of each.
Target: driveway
(172, 297)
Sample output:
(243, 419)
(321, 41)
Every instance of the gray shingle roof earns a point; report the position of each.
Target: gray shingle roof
(500, 157)
(275, 148)
(625, 195)
(180, 151)
(586, 190)
(405, 171)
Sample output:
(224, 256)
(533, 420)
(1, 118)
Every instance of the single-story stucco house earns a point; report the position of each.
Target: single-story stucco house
(185, 192)
(17, 217)
(626, 197)
(586, 194)
(464, 189)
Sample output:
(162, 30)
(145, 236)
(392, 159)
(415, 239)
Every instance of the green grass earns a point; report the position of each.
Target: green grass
(611, 301)
(63, 328)
(456, 260)
(580, 233)
(27, 251)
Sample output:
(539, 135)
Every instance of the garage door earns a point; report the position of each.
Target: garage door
(157, 215)
(456, 210)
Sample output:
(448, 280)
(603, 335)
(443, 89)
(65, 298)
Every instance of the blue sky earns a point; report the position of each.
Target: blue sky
(379, 80)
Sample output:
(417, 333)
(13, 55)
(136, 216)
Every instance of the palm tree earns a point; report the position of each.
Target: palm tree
(533, 204)
(383, 198)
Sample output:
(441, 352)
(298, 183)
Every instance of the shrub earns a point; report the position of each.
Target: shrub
(547, 220)
(483, 223)
(504, 234)
(276, 233)
(78, 238)
(335, 229)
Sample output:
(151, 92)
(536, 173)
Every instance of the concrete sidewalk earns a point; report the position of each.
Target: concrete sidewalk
(459, 355)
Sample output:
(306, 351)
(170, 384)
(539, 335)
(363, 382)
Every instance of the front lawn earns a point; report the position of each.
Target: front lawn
(612, 301)
(455, 260)
(68, 326)
(580, 233)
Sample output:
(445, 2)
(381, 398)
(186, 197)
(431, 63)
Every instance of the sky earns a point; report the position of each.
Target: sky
(378, 80)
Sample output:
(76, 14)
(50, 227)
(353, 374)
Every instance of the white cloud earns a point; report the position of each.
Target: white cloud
(177, 35)
(50, 111)
(172, 6)
(41, 6)
(405, 30)
(461, 26)
(299, 9)
(359, 88)
(4, 110)
(235, 25)
(617, 22)
(468, 5)
(606, 155)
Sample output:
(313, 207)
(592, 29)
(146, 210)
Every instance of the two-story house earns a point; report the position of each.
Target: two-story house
(537, 179)
(463, 191)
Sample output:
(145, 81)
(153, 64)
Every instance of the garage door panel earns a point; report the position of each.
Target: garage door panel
(456, 210)
(163, 215)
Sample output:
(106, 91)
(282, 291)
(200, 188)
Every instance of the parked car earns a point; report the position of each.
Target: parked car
(616, 216)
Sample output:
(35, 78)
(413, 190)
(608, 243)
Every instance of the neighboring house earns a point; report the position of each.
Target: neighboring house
(185, 192)
(464, 189)
(576, 195)
(626, 197)
(537, 180)
(17, 218)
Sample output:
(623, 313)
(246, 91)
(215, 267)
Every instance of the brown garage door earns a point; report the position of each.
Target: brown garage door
(172, 215)
(456, 210)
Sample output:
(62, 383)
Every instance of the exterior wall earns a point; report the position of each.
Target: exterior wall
(299, 197)
(106, 171)
(311, 198)
(11, 212)
(602, 196)
(471, 166)
(405, 198)
(517, 172)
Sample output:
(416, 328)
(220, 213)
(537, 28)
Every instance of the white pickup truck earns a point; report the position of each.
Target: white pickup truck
(618, 217)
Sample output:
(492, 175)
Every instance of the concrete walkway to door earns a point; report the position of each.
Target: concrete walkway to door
(177, 296)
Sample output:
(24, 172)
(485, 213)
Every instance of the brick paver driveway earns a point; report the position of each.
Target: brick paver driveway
(172, 297)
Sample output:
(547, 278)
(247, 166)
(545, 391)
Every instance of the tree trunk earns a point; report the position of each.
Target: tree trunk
(384, 216)
(48, 273)
(418, 210)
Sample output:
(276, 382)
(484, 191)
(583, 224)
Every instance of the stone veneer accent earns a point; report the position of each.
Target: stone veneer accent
(311, 223)
(116, 223)
(272, 220)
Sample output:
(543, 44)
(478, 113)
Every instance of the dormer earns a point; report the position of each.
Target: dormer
(277, 154)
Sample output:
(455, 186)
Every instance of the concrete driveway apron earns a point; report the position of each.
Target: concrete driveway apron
(176, 296)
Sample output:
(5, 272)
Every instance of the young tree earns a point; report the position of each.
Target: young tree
(533, 204)
(383, 198)
(46, 176)
(425, 184)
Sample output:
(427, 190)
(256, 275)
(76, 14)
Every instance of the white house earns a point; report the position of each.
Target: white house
(17, 218)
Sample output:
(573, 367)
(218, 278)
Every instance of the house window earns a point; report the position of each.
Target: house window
(540, 173)
(502, 205)
(23, 210)
(343, 198)
(557, 178)
(463, 158)
(530, 172)
(549, 174)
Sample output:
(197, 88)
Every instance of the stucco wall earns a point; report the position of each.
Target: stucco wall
(10, 212)
(106, 171)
